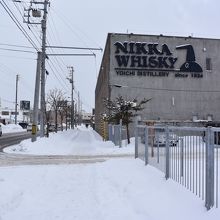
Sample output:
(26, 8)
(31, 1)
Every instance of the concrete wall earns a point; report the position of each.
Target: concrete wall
(173, 98)
(102, 86)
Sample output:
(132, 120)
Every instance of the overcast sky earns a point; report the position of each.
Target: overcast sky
(86, 23)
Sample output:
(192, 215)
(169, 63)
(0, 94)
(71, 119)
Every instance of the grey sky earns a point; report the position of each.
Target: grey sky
(86, 23)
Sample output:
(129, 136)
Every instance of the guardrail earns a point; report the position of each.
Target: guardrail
(188, 155)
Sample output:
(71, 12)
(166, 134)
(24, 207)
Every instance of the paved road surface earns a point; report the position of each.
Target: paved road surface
(18, 159)
(13, 138)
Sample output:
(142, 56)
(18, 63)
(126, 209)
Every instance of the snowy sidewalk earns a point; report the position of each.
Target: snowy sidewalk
(118, 189)
(115, 189)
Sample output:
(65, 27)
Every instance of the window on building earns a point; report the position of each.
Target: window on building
(5, 112)
(195, 118)
(209, 117)
(13, 113)
(208, 64)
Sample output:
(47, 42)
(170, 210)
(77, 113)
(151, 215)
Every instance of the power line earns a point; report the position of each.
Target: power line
(15, 20)
(57, 61)
(7, 70)
(5, 100)
(52, 69)
(18, 9)
(70, 54)
(36, 37)
(24, 51)
(69, 26)
(59, 65)
(56, 37)
(14, 45)
(75, 48)
(25, 58)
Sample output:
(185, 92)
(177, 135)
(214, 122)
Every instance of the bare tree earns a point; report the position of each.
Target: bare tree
(55, 97)
(67, 112)
(62, 109)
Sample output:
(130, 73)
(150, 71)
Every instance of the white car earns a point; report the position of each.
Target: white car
(29, 127)
(0, 130)
(160, 139)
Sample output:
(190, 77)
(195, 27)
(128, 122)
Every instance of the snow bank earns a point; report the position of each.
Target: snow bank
(80, 141)
(11, 128)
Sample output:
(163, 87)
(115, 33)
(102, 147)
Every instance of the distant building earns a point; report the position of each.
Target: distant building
(180, 74)
(8, 115)
(86, 117)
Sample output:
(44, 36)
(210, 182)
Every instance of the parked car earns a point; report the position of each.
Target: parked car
(216, 134)
(52, 128)
(160, 138)
(29, 127)
(23, 124)
(0, 130)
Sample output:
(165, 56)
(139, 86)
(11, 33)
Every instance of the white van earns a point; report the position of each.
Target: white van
(0, 130)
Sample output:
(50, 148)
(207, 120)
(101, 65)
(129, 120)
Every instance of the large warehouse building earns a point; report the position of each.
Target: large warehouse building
(181, 75)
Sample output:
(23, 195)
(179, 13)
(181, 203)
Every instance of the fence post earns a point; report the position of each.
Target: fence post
(167, 152)
(136, 138)
(117, 135)
(209, 200)
(146, 144)
(110, 132)
(181, 157)
(113, 134)
(120, 133)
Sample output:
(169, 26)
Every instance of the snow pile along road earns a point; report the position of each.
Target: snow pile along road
(11, 128)
(80, 141)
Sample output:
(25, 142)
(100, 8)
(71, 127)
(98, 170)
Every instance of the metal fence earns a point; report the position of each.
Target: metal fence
(188, 155)
(116, 134)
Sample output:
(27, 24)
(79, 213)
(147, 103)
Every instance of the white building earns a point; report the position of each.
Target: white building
(8, 115)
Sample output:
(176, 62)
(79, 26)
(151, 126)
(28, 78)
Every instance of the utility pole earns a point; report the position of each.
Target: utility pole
(37, 14)
(72, 100)
(16, 99)
(79, 112)
(75, 114)
(36, 98)
(43, 70)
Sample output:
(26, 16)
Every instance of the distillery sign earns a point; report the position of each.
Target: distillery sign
(150, 59)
